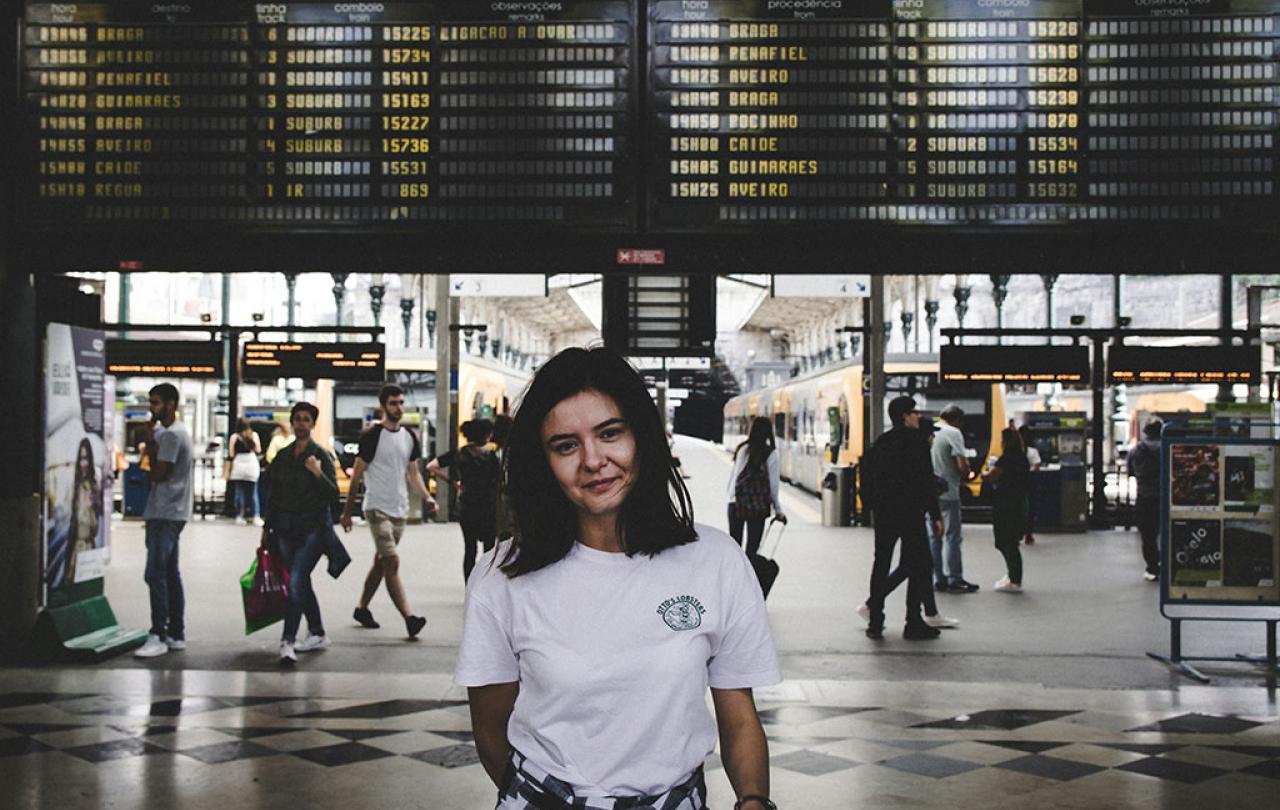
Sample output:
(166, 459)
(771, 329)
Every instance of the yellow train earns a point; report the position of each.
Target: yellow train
(820, 418)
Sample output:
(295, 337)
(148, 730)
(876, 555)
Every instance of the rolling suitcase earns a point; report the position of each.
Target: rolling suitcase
(766, 568)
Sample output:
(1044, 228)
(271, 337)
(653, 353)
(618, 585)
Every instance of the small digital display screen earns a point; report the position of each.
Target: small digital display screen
(164, 358)
(314, 361)
(1184, 364)
(1064, 364)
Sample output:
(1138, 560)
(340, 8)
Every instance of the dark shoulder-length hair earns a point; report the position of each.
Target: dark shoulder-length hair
(658, 513)
(759, 442)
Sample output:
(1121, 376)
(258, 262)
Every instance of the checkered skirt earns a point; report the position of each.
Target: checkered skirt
(528, 787)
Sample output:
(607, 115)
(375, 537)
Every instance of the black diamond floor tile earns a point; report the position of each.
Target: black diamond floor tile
(383, 709)
(163, 708)
(116, 749)
(1264, 751)
(803, 740)
(144, 731)
(252, 701)
(1269, 769)
(1200, 724)
(1171, 769)
(21, 746)
(811, 763)
(228, 752)
(451, 756)
(1030, 746)
(798, 715)
(1150, 749)
(356, 734)
(914, 745)
(997, 719)
(929, 765)
(11, 699)
(43, 728)
(1050, 767)
(342, 754)
(460, 736)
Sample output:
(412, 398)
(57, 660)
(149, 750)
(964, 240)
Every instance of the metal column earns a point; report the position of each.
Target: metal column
(446, 382)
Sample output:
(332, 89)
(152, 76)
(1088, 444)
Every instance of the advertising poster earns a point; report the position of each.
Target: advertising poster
(1196, 476)
(1247, 556)
(78, 467)
(1249, 482)
(1195, 553)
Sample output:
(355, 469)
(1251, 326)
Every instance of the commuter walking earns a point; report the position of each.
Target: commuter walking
(1144, 464)
(474, 469)
(498, 443)
(280, 439)
(1010, 479)
(303, 488)
(899, 487)
(245, 469)
(610, 614)
(951, 464)
(901, 574)
(753, 485)
(1033, 461)
(168, 457)
(387, 459)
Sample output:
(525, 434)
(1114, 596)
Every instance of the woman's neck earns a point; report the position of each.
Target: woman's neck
(600, 532)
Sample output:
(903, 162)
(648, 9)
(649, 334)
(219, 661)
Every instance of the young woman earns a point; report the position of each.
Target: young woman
(477, 475)
(303, 488)
(245, 468)
(1011, 480)
(86, 509)
(590, 639)
(753, 485)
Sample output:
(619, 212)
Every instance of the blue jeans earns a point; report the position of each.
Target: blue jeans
(246, 498)
(946, 549)
(300, 554)
(163, 578)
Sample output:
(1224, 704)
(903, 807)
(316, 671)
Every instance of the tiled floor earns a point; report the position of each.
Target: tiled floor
(1043, 700)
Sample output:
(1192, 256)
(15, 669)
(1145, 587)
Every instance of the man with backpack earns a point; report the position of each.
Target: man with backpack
(388, 457)
(898, 486)
(1144, 464)
(476, 472)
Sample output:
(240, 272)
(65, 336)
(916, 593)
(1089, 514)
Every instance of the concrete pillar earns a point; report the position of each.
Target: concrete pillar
(446, 382)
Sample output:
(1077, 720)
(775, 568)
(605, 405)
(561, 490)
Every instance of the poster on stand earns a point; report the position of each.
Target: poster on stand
(1195, 553)
(1247, 554)
(78, 467)
(1249, 479)
(1195, 477)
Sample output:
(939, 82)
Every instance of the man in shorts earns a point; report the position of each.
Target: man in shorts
(388, 459)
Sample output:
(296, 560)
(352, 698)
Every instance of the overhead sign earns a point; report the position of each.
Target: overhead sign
(1064, 364)
(641, 256)
(822, 286)
(313, 361)
(1184, 364)
(164, 358)
(504, 285)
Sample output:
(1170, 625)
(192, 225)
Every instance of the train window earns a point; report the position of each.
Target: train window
(780, 425)
(795, 427)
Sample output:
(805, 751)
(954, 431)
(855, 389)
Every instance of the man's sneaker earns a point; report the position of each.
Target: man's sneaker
(259, 522)
(176, 643)
(875, 633)
(864, 613)
(414, 625)
(313, 643)
(365, 617)
(941, 585)
(241, 521)
(153, 646)
(1150, 577)
(1030, 539)
(1005, 586)
(287, 655)
(940, 621)
(920, 632)
(960, 586)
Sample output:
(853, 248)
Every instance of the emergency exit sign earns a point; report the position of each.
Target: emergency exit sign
(642, 256)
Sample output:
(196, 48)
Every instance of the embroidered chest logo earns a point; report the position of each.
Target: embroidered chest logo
(682, 612)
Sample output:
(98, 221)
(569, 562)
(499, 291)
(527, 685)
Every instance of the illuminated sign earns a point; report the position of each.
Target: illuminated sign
(1030, 364)
(314, 361)
(164, 358)
(1184, 364)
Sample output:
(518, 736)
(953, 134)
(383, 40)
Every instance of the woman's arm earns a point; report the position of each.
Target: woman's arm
(743, 746)
(491, 707)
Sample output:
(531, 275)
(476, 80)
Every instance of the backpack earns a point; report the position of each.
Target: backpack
(751, 495)
(479, 473)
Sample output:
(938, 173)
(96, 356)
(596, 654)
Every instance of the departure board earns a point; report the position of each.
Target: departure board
(702, 117)
(299, 115)
(310, 361)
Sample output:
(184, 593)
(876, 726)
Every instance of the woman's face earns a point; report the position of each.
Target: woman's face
(592, 452)
(84, 461)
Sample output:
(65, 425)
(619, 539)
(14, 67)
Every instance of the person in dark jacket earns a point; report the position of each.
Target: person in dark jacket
(1144, 465)
(899, 487)
(1010, 478)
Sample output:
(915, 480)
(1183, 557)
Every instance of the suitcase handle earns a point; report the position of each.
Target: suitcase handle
(777, 538)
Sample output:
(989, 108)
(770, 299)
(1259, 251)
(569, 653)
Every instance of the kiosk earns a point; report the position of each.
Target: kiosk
(1059, 501)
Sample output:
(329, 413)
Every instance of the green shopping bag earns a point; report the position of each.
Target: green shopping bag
(264, 589)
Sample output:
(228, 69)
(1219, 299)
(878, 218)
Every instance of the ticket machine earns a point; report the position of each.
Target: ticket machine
(1059, 501)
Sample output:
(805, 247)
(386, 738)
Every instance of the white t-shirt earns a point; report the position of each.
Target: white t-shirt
(1033, 457)
(387, 454)
(614, 655)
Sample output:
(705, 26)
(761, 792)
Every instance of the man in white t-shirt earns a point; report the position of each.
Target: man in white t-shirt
(388, 458)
